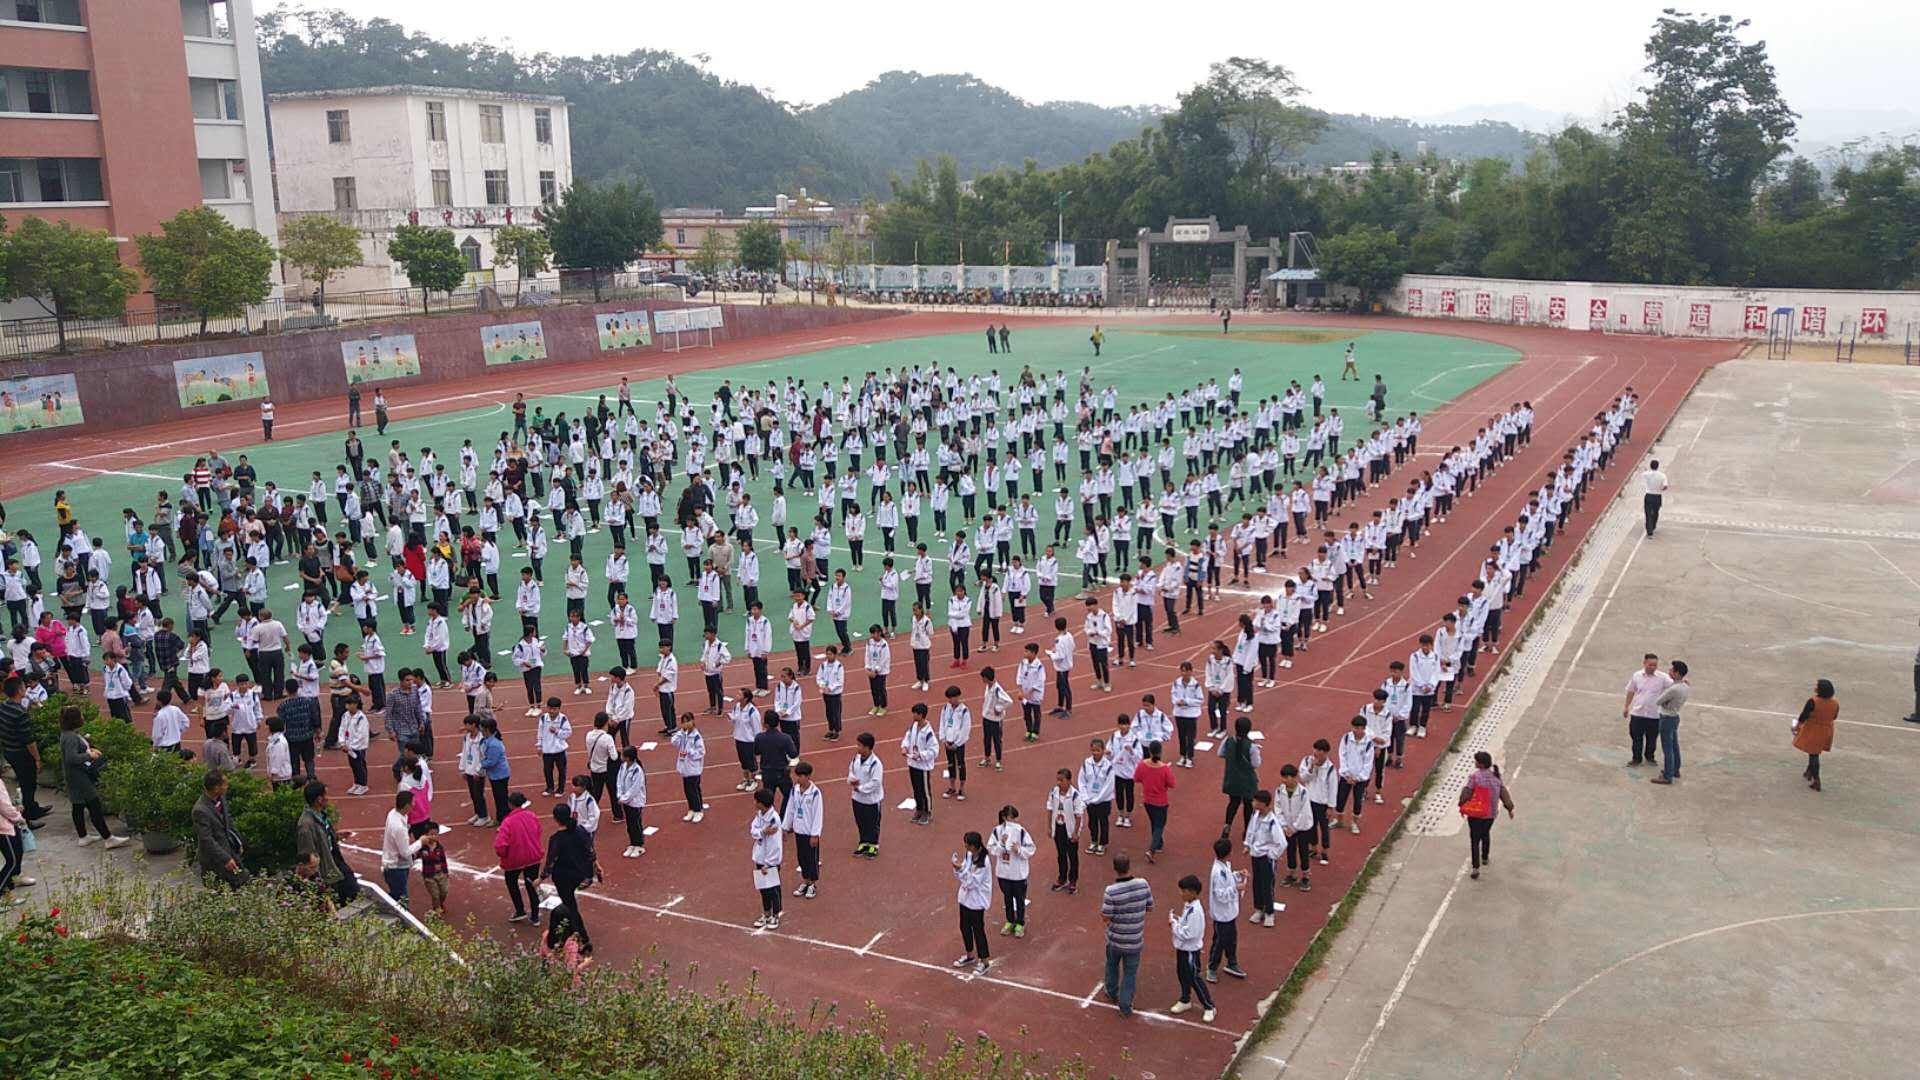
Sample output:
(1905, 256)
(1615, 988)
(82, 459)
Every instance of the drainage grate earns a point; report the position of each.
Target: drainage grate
(1439, 816)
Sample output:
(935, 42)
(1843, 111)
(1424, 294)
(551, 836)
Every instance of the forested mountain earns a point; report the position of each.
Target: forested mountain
(694, 138)
(700, 140)
(903, 116)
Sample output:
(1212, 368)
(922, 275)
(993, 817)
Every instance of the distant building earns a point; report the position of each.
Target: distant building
(384, 156)
(807, 223)
(118, 116)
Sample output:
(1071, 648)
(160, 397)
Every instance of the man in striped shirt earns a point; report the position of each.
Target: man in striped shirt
(1124, 906)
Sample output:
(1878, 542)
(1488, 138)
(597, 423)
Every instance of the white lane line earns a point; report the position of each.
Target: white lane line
(106, 472)
(864, 949)
(1771, 714)
(667, 911)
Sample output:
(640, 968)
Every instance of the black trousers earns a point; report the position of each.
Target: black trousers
(1226, 944)
(27, 771)
(1651, 504)
(1643, 731)
(1067, 852)
(866, 821)
(1013, 899)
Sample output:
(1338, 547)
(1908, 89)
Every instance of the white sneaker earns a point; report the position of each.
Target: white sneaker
(89, 840)
(688, 816)
(965, 961)
(115, 842)
(1207, 1016)
(1269, 919)
(761, 922)
(773, 923)
(801, 890)
(697, 816)
(1179, 1007)
(1340, 611)
(1356, 828)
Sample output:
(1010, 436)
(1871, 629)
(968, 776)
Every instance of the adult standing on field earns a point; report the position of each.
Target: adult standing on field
(1098, 338)
(1348, 367)
(1813, 729)
(1656, 482)
(1124, 908)
(1641, 708)
(1668, 706)
(1480, 803)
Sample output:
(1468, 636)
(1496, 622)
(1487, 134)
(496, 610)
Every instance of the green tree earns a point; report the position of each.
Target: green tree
(526, 249)
(712, 256)
(1694, 150)
(199, 260)
(1369, 258)
(758, 247)
(430, 258)
(319, 247)
(71, 273)
(602, 227)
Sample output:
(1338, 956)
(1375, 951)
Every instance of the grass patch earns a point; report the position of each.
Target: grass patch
(1277, 335)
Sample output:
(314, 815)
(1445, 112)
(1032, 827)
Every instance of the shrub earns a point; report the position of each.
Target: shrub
(154, 792)
(248, 966)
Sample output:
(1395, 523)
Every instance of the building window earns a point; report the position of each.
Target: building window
(339, 130)
(436, 121)
(543, 126)
(214, 99)
(549, 188)
(493, 124)
(62, 12)
(10, 190)
(344, 197)
(442, 188)
(496, 187)
(216, 180)
(48, 180)
(470, 250)
(53, 181)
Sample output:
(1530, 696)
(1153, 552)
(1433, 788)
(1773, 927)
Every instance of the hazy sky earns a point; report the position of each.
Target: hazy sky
(1392, 58)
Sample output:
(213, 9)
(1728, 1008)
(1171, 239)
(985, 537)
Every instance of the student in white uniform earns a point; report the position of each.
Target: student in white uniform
(1189, 923)
(690, 761)
(765, 833)
(1066, 816)
(805, 817)
(974, 871)
(866, 790)
(1012, 848)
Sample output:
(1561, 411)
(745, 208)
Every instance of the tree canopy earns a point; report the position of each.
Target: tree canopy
(602, 227)
(200, 261)
(319, 247)
(430, 258)
(71, 273)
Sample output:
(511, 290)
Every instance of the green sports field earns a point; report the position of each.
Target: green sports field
(1422, 371)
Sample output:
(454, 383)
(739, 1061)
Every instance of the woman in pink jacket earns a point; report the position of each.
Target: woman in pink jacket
(521, 849)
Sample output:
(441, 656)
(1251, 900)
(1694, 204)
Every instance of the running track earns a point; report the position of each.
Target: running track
(884, 931)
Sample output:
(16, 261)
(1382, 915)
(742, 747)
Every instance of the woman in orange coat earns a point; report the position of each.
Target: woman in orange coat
(1813, 729)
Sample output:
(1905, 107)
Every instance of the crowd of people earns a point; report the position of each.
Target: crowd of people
(1177, 503)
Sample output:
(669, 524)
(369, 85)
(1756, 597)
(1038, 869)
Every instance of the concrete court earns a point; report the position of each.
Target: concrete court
(1735, 924)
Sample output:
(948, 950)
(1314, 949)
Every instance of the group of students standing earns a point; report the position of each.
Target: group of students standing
(443, 529)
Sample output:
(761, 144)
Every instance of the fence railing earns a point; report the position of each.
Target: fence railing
(20, 338)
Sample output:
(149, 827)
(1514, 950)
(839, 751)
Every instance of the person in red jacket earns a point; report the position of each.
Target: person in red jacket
(521, 849)
(1155, 778)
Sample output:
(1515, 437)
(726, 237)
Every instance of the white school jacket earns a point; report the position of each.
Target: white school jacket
(1096, 779)
(921, 747)
(1188, 697)
(1318, 778)
(690, 752)
(765, 832)
(1223, 892)
(1293, 809)
(1012, 845)
(805, 812)
(1264, 838)
(864, 775)
(1356, 757)
(956, 724)
(1065, 808)
(553, 733)
(1189, 926)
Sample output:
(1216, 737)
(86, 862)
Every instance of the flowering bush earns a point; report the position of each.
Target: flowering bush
(260, 975)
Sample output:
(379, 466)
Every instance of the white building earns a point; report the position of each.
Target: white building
(385, 156)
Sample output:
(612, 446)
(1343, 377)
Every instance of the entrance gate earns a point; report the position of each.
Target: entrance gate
(1138, 288)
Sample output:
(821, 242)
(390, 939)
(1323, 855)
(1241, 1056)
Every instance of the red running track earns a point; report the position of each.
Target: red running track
(885, 931)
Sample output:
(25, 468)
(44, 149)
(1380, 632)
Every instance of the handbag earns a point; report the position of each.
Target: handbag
(27, 841)
(1479, 804)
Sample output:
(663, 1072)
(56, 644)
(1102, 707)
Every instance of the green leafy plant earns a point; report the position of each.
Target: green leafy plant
(319, 247)
(71, 273)
(198, 259)
(431, 259)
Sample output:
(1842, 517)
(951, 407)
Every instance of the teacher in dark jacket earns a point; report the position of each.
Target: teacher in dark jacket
(218, 841)
(78, 760)
(569, 865)
(314, 838)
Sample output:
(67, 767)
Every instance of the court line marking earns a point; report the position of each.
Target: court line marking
(864, 951)
(1545, 1017)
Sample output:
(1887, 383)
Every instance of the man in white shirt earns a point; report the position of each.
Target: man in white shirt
(1656, 482)
(1641, 708)
(398, 848)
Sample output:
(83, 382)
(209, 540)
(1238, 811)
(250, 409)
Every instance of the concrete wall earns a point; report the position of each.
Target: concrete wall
(1675, 310)
(124, 388)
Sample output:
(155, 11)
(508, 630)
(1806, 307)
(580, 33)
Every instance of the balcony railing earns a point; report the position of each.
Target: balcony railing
(447, 217)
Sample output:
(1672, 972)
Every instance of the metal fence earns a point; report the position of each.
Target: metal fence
(20, 338)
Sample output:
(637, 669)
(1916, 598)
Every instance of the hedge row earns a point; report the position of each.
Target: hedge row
(154, 792)
(262, 975)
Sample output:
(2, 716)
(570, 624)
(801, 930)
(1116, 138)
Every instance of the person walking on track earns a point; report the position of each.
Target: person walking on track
(1480, 803)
